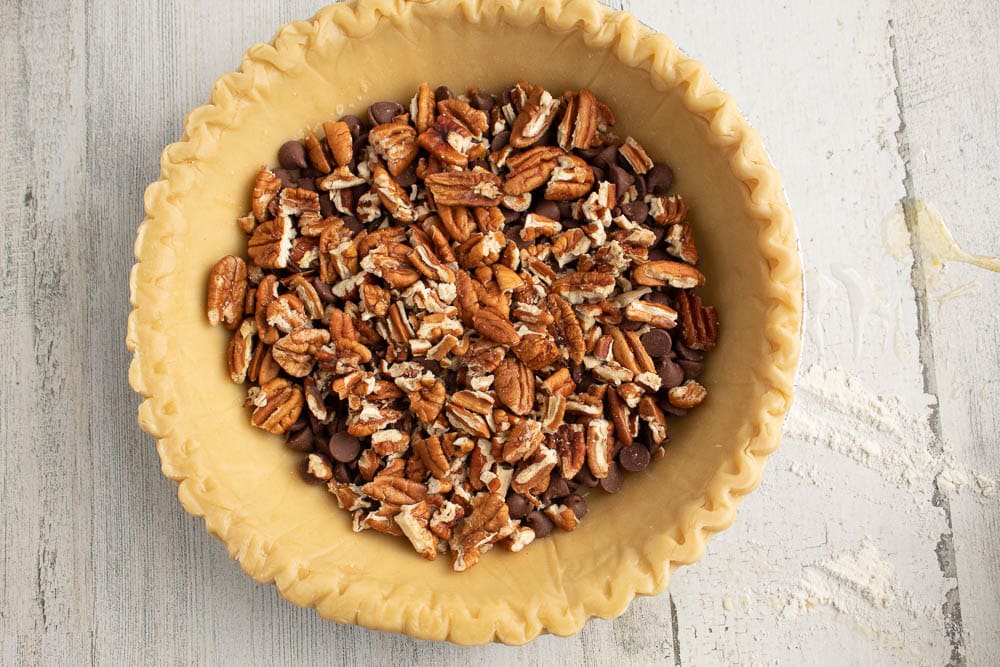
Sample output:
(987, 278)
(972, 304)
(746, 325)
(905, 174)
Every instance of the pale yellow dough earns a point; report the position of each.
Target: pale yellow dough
(244, 482)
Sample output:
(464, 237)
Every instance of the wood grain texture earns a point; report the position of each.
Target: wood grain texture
(101, 564)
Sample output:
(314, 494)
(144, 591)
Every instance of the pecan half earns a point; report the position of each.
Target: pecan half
(465, 188)
(667, 209)
(536, 351)
(278, 405)
(636, 156)
(664, 272)
(522, 441)
(271, 243)
(656, 315)
(392, 196)
(296, 352)
(567, 326)
(699, 323)
(427, 400)
(571, 178)
(431, 452)
(515, 385)
(494, 327)
(422, 107)
(241, 351)
(227, 288)
(570, 443)
(600, 447)
(531, 169)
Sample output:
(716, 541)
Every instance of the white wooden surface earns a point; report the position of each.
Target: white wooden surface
(865, 106)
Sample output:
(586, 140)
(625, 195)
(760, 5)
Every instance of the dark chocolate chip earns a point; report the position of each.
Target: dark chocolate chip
(306, 475)
(557, 489)
(541, 524)
(505, 96)
(548, 138)
(671, 375)
(326, 208)
(659, 179)
(344, 447)
(634, 457)
(512, 232)
(657, 255)
(353, 124)
(656, 342)
(341, 473)
(577, 504)
(314, 424)
(482, 163)
(622, 179)
(630, 325)
(500, 140)
(288, 180)
(306, 184)
(671, 410)
(481, 101)
(613, 482)
(292, 155)
(636, 211)
(352, 223)
(598, 173)
(607, 157)
(575, 371)
(588, 154)
(409, 176)
(686, 352)
(443, 93)
(547, 208)
(384, 112)
(657, 297)
(301, 440)
(509, 216)
(692, 369)
(518, 506)
(324, 291)
(433, 366)
(565, 210)
(640, 188)
(586, 477)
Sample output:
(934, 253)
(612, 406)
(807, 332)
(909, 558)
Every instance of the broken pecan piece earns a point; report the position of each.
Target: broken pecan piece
(664, 272)
(699, 323)
(278, 405)
(515, 385)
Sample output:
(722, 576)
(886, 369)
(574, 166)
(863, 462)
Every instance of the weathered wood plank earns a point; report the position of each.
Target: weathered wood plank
(949, 94)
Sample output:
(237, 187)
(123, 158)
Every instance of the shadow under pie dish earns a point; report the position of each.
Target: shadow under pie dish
(247, 485)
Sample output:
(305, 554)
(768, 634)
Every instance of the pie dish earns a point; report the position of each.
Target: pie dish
(246, 486)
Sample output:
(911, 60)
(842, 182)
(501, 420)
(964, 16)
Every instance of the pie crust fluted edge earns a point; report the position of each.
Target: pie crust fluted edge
(646, 568)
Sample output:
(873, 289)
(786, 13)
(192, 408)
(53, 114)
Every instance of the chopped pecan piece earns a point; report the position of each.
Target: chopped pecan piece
(396, 143)
(535, 117)
(296, 352)
(241, 351)
(667, 209)
(265, 189)
(680, 243)
(636, 156)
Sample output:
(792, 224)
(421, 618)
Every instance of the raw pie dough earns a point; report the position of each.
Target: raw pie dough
(244, 482)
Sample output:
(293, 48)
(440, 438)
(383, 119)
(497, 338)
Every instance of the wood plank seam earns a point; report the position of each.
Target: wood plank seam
(952, 608)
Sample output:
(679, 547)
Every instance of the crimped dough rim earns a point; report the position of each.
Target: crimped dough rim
(641, 568)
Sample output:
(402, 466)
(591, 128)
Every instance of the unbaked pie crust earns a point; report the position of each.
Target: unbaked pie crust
(245, 484)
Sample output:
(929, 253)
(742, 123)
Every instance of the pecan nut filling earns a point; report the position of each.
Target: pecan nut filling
(467, 315)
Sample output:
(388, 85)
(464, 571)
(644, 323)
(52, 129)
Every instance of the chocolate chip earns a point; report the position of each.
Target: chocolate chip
(613, 482)
(557, 489)
(509, 216)
(344, 447)
(577, 504)
(481, 101)
(286, 178)
(575, 371)
(314, 424)
(541, 524)
(324, 291)
(622, 179)
(656, 342)
(659, 179)
(326, 208)
(658, 297)
(548, 137)
(409, 176)
(306, 184)
(686, 352)
(630, 325)
(565, 210)
(301, 441)
(640, 188)
(692, 369)
(482, 163)
(598, 173)
(353, 124)
(383, 112)
(671, 375)
(352, 223)
(512, 232)
(547, 208)
(506, 96)
(500, 140)
(671, 410)
(586, 477)
(432, 366)
(341, 473)
(292, 155)
(634, 458)
(636, 211)
(607, 157)
(443, 93)
(518, 506)
(658, 234)
(588, 154)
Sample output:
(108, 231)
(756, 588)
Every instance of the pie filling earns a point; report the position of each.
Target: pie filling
(467, 314)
